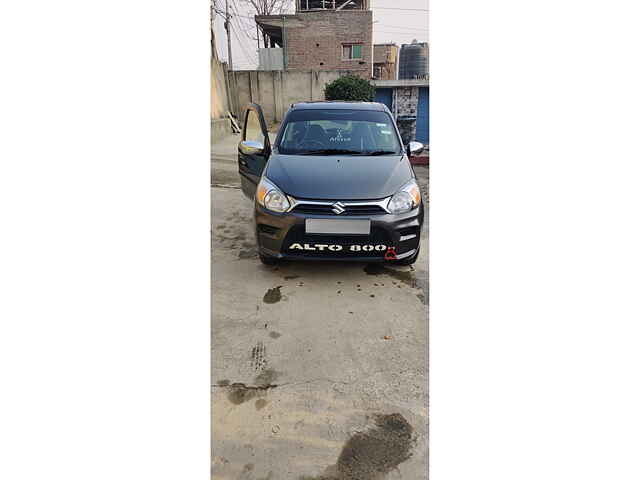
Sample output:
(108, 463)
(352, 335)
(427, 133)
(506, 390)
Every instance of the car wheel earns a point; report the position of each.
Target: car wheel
(409, 260)
(267, 260)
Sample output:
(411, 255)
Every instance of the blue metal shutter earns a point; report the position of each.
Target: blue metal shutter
(422, 122)
(385, 95)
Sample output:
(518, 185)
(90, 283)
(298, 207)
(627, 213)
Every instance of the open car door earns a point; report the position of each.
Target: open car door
(253, 150)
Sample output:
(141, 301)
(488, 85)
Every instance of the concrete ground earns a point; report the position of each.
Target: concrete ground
(319, 370)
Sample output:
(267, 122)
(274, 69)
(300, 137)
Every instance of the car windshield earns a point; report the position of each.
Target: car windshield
(339, 132)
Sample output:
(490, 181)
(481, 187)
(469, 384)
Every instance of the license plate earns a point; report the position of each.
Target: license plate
(337, 227)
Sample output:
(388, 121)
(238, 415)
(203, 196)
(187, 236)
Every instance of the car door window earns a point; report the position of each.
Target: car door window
(253, 130)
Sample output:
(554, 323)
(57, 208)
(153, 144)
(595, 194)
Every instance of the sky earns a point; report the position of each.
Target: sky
(391, 24)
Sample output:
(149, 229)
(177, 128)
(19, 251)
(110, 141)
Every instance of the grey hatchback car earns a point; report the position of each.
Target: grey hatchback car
(336, 184)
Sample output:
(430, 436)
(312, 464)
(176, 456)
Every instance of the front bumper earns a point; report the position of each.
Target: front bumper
(283, 236)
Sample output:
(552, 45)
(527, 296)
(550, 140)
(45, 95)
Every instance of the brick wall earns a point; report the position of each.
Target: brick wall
(315, 41)
(383, 53)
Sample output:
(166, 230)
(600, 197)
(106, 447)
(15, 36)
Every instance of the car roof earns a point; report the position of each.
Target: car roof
(338, 105)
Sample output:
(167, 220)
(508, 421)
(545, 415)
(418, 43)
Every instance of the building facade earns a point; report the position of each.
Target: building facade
(322, 35)
(385, 61)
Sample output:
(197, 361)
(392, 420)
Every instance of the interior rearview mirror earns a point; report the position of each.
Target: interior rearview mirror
(251, 147)
(415, 148)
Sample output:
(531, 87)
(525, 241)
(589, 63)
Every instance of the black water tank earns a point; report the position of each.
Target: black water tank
(414, 60)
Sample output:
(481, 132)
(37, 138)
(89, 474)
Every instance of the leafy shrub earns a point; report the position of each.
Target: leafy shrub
(350, 88)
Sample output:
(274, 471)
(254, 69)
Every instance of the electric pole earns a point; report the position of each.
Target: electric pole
(227, 26)
(214, 49)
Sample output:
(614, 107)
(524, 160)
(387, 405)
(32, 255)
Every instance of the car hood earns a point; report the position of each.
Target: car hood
(339, 177)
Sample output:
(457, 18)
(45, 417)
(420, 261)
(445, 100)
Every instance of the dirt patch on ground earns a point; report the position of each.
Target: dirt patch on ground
(405, 276)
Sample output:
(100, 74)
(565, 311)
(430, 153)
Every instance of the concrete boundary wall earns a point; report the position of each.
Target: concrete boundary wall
(219, 92)
(275, 91)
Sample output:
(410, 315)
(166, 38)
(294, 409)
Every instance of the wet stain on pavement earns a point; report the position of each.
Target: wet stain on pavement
(261, 403)
(240, 393)
(405, 277)
(223, 383)
(375, 452)
(291, 277)
(273, 295)
(275, 334)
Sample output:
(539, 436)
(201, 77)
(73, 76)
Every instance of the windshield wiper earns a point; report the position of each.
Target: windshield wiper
(331, 151)
(381, 152)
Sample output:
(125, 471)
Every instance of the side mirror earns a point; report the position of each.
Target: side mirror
(251, 147)
(414, 148)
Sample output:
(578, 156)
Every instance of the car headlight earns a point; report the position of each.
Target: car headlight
(406, 199)
(270, 197)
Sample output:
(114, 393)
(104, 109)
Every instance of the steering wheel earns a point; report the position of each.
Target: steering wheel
(311, 145)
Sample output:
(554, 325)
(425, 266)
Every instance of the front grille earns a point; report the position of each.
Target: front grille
(378, 236)
(350, 210)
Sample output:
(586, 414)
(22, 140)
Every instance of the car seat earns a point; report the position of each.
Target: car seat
(315, 133)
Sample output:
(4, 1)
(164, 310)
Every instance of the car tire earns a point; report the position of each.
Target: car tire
(409, 260)
(267, 260)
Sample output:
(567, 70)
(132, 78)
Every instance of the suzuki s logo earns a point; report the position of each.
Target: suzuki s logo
(338, 208)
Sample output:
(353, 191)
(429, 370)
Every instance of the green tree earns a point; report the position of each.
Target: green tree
(350, 88)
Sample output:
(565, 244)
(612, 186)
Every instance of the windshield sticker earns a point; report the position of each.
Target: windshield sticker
(340, 138)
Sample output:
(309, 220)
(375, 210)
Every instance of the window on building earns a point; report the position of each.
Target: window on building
(332, 5)
(351, 52)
